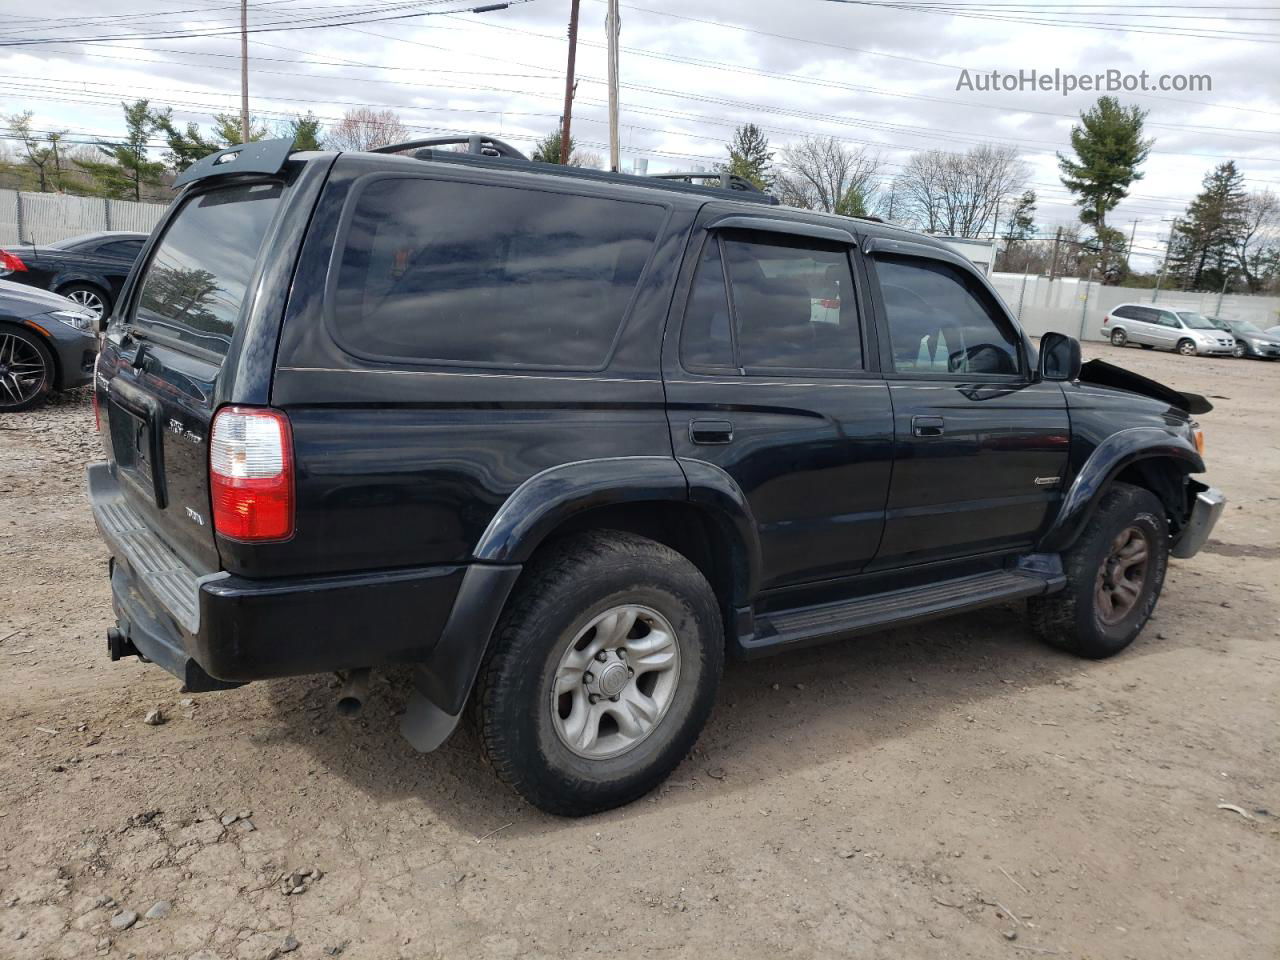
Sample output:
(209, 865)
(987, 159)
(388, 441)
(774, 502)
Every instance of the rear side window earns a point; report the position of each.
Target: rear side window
(194, 285)
(942, 321)
(124, 249)
(1125, 313)
(459, 272)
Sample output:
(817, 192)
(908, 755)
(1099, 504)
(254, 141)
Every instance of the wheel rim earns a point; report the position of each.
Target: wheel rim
(1118, 338)
(22, 370)
(1122, 576)
(615, 682)
(1187, 348)
(1239, 350)
(90, 301)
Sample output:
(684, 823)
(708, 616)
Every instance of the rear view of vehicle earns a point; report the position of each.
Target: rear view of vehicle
(192, 450)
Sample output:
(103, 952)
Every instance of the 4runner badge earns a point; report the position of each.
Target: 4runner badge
(1046, 481)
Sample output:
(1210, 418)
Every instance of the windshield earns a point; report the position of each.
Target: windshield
(1243, 326)
(1195, 321)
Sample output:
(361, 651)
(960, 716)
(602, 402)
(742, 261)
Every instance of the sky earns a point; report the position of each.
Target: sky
(877, 75)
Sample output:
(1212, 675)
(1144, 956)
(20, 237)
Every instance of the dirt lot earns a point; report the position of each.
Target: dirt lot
(955, 790)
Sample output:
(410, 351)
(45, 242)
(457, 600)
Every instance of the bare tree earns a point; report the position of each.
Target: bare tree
(959, 194)
(1259, 229)
(364, 129)
(821, 173)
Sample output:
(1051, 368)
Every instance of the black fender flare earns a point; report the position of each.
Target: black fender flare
(534, 510)
(1112, 455)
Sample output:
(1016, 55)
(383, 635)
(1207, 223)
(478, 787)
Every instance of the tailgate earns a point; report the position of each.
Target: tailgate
(161, 375)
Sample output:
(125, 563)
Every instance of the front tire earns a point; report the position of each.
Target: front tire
(603, 671)
(1187, 348)
(26, 370)
(92, 299)
(1239, 350)
(1115, 572)
(1119, 338)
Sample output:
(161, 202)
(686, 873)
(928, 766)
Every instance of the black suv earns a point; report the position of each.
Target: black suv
(563, 440)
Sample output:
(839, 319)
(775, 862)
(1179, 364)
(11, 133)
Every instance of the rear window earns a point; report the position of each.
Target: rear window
(195, 283)
(501, 276)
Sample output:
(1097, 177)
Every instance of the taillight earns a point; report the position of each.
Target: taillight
(251, 474)
(10, 263)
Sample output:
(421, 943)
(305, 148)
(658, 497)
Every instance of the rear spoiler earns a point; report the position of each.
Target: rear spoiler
(263, 156)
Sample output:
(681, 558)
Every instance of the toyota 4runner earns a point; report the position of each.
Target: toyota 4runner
(561, 441)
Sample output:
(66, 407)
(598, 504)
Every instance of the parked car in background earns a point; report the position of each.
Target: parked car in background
(89, 269)
(1251, 341)
(565, 439)
(47, 342)
(1182, 330)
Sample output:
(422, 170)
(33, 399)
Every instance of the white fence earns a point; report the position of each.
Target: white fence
(1076, 307)
(45, 217)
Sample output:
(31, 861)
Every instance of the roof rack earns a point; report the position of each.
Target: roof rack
(491, 151)
(477, 144)
(728, 181)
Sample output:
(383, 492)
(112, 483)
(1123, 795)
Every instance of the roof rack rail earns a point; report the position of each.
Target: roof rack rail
(478, 144)
(728, 181)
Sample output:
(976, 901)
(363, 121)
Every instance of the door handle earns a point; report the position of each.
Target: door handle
(927, 426)
(710, 431)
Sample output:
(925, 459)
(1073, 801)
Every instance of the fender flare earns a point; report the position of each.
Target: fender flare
(1110, 457)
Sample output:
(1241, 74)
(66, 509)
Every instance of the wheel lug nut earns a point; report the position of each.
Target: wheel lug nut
(614, 699)
(630, 672)
(593, 698)
(602, 656)
(588, 677)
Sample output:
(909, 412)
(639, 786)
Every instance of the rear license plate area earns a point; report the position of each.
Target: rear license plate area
(136, 446)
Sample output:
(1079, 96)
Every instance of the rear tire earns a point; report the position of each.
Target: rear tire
(26, 370)
(575, 738)
(1119, 338)
(1115, 571)
(1187, 348)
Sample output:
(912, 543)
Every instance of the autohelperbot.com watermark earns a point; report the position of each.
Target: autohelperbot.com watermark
(1061, 81)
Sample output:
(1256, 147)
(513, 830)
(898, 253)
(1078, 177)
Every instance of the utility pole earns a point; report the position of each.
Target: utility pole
(1053, 267)
(568, 83)
(611, 26)
(244, 71)
(1165, 263)
(1129, 250)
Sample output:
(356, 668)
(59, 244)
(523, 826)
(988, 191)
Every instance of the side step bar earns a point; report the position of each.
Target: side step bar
(787, 629)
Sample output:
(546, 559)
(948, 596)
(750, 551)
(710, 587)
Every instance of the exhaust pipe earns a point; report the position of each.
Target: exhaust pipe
(355, 690)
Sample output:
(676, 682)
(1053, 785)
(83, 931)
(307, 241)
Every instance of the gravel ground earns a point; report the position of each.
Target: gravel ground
(951, 790)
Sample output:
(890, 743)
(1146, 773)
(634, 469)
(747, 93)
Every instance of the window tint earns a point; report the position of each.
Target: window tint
(121, 249)
(705, 339)
(434, 270)
(1126, 313)
(793, 302)
(942, 321)
(196, 280)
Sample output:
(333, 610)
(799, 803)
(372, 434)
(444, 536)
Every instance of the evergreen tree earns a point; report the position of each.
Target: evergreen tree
(1205, 238)
(1109, 148)
(547, 150)
(1021, 222)
(751, 158)
(305, 131)
(127, 168)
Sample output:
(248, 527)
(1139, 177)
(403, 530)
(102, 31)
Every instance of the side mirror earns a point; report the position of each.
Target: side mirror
(1059, 357)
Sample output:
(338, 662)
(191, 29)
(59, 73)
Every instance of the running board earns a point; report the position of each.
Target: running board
(894, 608)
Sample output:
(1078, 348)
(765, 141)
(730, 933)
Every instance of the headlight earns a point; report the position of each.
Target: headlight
(73, 318)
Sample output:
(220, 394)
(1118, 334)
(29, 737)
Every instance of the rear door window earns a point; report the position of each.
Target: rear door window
(441, 271)
(195, 283)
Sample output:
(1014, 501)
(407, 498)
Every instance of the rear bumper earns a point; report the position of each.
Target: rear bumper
(1204, 514)
(220, 630)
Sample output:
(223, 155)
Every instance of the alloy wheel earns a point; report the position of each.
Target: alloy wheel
(1238, 350)
(92, 302)
(22, 370)
(1122, 576)
(615, 681)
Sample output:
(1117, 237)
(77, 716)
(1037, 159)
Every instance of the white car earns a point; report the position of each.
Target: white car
(1151, 326)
